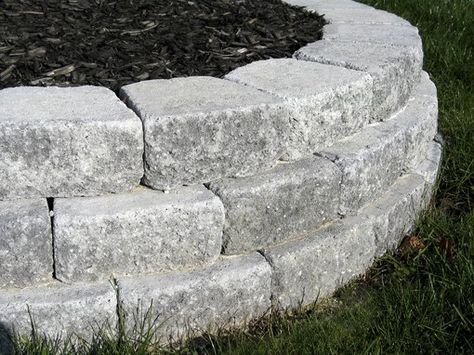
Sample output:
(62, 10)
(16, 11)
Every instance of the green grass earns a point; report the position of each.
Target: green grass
(418, 302)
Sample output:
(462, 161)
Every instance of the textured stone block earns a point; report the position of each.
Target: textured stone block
(373, 159)
(429, 168)
(370, 162)
(322, 5)
(387, 35)
(343, 11)
(395, 212)
(419, 121)
(312, 268)
(67, 142)
(138, 232)
(283, 203)
(26, 254)
(226, 294)
(326, 103)
(395, 70)
(59, 309)
(200, 128)
(368, 16)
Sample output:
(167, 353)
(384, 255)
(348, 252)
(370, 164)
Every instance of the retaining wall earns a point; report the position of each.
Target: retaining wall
(300, 172)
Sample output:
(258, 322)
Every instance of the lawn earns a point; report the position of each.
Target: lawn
(418, 301)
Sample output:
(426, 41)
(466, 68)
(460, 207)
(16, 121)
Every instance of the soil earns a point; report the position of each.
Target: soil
(114, 43)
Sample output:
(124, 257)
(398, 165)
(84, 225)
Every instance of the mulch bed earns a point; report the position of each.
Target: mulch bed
(113, 43)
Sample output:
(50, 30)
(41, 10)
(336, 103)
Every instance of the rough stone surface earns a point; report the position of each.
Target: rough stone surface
(138, 232)
(394, 214)
(67, 142)
(25, 243)
(226, 294)
(289, 200)
(312, 268)
(373, 159)
(370, 162)
(419, 121)
(395, 70)
(323, 5)
(326, 103)
(199, 128)
(342, 11)
(59, 309)
(430, 166)
(373, 33)
(362, 16)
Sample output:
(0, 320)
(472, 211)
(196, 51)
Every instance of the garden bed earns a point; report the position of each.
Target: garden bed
(114, 43)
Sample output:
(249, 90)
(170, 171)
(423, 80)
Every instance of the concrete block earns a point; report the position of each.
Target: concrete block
(277, 205)
(343, 11)
(394, 214)
(322, 5)
(370, 162)
(138, 232)
(429, 168)
(349, 12)
(395, 70)
(362, 16)
(200, 128)
(387, 35)
(326, 102)
(312, 268)
(77, 141)
(59, 310)
(26, 254)
(374, 158)
(224, 295)
(419, 121)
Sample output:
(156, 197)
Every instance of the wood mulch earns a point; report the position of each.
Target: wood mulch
(113, 43)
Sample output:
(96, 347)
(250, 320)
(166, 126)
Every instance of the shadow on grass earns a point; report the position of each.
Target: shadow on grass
(6, 340)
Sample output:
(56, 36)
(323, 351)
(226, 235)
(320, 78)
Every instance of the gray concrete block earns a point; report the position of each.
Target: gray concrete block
(395, 70)
(200, 128)
(224, 295)
(365, 16)
(138, 232)
(312, 268)
(277, 205)
(67, 142)
(387, 35)
(373, 159)
(419, 121)
(370, 162)
(343, 11)
(326, 102)
(429, 168)
(394, 214)
(323, 5)
(26, 254)
(59, 309)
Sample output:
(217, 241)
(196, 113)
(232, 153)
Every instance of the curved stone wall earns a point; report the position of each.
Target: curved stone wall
(300, 172)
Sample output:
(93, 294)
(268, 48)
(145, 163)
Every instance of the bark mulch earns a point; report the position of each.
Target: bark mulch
(113, 43)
